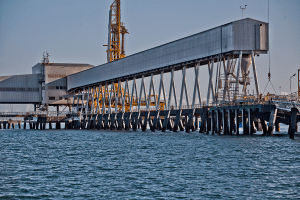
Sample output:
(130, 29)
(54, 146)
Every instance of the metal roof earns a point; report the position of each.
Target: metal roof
(241, 35)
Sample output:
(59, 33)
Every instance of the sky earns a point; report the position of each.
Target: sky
(74, 31)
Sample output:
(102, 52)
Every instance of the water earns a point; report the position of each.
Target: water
(73, 164)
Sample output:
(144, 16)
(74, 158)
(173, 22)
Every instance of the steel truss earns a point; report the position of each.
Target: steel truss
(114, 104)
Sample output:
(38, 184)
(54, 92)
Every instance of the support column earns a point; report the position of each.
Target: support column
(226, 122)
(219, 122)
(272, 120)
(190, 121)
(135, 118)
(24, 127)
(237, 75)
(210, 83)
(255, 75)
(244, 122)
(127, 118)
(44, 125)
(232, 122)
(100, 122)
(250, 122)
(166, 120)
(293, 123)
(208, 122)
(177, 120)
(113, 121)
(258, 124)
(237, 122)
(277, 126)
(264, 126)
(212, 114)
(57, 125)
(229, 122)
(203, 121)
(57, 110)
(66, 124)
(145, 121)
(196, 126)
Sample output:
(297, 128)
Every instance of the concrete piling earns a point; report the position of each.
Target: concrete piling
(277, 126)
(272, 120)
(293, 123)
(237, 122)
(264, 126)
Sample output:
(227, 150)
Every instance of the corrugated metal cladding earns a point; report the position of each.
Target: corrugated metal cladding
(20, 89)
(237, 35)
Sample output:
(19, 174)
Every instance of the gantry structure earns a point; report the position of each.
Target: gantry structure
(229, 53)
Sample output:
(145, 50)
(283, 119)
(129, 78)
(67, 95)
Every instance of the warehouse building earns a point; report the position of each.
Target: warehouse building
(45, 87)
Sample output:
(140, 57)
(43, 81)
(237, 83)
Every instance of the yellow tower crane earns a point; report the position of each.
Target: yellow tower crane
(115, 50)
(116, 33)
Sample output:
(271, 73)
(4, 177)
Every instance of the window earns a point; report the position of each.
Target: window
(60, 98)
(51, 98)
(57, 87)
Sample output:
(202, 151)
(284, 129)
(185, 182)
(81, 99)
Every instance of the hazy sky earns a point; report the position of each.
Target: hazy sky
(75, 31)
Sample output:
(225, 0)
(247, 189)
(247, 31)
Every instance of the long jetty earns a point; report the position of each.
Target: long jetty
(222, 119)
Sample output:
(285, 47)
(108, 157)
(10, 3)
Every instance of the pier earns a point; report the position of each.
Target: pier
(117, 96)
(222, 119)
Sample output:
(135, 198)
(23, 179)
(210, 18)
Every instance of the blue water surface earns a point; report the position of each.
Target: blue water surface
(90, 164)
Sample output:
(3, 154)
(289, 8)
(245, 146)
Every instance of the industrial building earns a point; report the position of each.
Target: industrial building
(45, 87)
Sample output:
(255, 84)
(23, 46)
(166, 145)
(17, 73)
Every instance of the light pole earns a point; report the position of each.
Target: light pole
(280, 90)
(243, 9)
(291, 84)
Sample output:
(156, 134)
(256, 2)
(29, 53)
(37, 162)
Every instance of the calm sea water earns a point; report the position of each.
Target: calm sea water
(72, 164)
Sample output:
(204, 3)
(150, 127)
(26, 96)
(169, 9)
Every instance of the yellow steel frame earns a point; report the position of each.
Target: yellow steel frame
(120, 94)
(117, 33)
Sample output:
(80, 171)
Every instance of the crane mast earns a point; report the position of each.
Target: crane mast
(116, 33)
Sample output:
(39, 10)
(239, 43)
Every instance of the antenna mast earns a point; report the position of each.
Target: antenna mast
(243, 10)
(45, 57)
